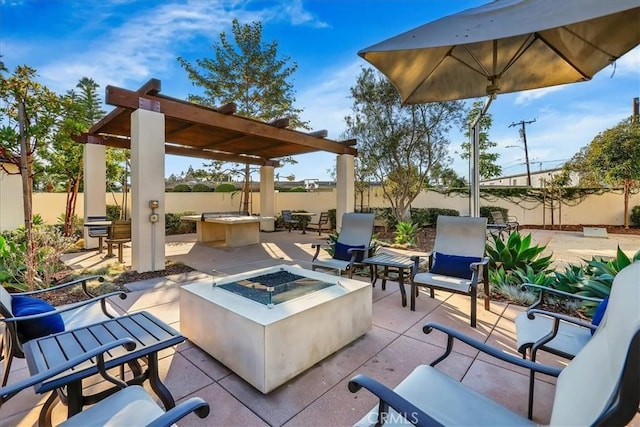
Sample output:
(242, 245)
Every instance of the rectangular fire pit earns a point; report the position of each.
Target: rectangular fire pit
(269, 325)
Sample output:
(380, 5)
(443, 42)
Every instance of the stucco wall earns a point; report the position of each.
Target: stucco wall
(11, 206)
(595, 209)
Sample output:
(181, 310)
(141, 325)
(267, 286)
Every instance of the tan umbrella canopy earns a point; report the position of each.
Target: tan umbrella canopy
(506, 46)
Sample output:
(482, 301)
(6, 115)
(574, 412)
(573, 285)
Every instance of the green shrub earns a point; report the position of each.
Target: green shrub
(298, 190)
(182, 188)
(113, 212)
(431, 214)
(406, 233)
(225, 187)
(201, 188)
(174, 225)
(332, 218)
(635, 215)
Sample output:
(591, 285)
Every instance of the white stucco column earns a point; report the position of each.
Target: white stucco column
(345, 186)
(267, 198)
(147, 184)
(95, 178)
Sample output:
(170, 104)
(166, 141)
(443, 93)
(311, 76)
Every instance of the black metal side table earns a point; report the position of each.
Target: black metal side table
(392, 264)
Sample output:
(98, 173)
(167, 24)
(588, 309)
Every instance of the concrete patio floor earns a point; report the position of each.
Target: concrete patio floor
(319, 397)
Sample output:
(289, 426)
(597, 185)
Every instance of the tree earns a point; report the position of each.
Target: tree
(28, 115)
(398, 145)
(613, 157)
(248, 72)
(65, 158)
(488, 166)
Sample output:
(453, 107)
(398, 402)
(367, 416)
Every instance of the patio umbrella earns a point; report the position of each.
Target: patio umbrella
(506, 46)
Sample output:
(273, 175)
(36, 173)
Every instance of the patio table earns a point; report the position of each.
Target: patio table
(391, 263)
(150, 334)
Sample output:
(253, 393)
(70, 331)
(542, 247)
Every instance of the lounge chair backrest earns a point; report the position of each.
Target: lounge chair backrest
(461, 235)
(497, 217)
(5, 303)
(357, 229)
(97, 230)
(588, 385)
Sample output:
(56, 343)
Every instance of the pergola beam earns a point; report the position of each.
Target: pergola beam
(128, 99)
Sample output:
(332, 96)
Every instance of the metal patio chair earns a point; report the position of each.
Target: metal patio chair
(289, 220)
(19, 329)
(131, 405)
(322, 224)
(600, 386)
(352, 246)
(457, 263)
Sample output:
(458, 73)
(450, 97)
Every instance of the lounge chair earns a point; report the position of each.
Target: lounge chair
(289, 220)
(351, 247)
(20, 328)
(555, 333)
(600, 386)
(457, 263)
(322, 224)
(131, 405)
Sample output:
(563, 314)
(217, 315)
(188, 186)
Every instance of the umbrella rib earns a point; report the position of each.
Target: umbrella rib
(521, 50)
(564, 57)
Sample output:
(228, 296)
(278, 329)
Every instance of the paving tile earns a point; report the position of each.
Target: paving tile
(340, 407)
(181, 376)
(286, 401)
(206, 363)
(226, 410)
(388, 313)
(449, 315)
(143, 299)
(510, 389)
(168, 312)
(155, 283)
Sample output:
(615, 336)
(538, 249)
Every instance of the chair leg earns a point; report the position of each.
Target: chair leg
(120, 250)
(474, 308)
(100, 244)
(8, 358)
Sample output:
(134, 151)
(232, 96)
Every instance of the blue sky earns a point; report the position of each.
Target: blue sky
(127, 42)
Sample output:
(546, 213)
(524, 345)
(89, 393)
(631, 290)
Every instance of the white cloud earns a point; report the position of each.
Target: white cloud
(299, 16)
(528, 96)
(326, 102)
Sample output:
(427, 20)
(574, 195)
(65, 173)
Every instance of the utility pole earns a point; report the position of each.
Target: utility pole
(523, 134)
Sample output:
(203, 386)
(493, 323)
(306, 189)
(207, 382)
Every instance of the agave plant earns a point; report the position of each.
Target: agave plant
(406, 233)
(517, 253)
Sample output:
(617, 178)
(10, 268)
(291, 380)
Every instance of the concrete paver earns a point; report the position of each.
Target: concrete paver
(319, 396)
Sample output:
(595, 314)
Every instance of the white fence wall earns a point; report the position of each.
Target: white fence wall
(594, 209)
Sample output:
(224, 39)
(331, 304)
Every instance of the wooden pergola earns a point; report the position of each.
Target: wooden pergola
(198, 131)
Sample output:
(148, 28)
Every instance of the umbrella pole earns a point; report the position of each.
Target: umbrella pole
(474, 178)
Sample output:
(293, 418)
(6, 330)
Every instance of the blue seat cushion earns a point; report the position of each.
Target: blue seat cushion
(452, 265)
(341, 252)
(36, 328)
(599, 313)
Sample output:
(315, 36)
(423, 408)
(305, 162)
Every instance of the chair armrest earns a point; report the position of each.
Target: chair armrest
(7, 392)
(546, 289)
(492, 351)
(416, 262)
(557, 317)
(408, 410)
(196, 405)
(73, 306)
(82, 280)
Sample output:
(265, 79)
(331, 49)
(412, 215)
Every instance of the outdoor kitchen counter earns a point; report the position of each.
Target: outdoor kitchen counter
(230, 231)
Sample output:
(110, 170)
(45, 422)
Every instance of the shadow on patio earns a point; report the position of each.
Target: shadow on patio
(388, 352)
